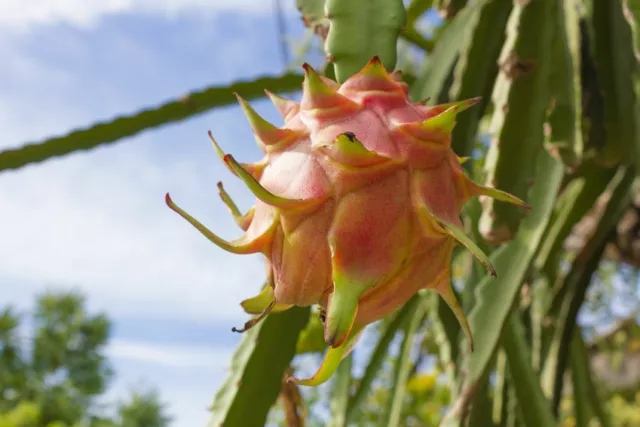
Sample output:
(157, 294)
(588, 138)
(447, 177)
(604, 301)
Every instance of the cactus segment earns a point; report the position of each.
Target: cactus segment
(521, 98)
(459, 235)
(476, 68)
(349, 47)
(243, 221)
(243, 245)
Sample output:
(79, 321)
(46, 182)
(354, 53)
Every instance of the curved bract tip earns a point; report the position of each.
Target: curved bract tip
(330, 363)
(445, 290)
(243, 245)
(481, 190)
(243, 221)
(458, 234)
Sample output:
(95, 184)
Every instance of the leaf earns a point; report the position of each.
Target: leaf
(377, 357)
(403, 364)
(536, 411)
(257, 367)
(520, 99)
(444, 54)
(496, 297)
(124, 126)
(360, 30)
(618, 76)
(340, 393)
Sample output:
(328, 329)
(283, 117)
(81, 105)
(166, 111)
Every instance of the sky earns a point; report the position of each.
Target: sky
(96, 221)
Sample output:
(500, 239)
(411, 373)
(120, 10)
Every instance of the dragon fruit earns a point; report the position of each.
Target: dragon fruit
(358, 203)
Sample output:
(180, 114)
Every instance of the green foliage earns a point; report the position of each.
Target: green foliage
(54, 377)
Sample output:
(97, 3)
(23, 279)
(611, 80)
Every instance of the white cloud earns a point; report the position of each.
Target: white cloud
(171, 356)
(99, 222)
(18, 15)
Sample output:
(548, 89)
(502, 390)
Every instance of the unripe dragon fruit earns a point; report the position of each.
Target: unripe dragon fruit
(358, 203)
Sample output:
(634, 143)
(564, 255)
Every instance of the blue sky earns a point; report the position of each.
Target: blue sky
(96, 221)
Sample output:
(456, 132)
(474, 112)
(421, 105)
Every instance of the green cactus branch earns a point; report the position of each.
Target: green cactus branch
(573, 290)
(585, 394)
(476, 70)
(377, 357)
(495, 298)
(257, 368)
(417, 309)
(441, 60)
(340, 393)
(618, 74)
(536, 411)
(360, 30)
(520, 99)
(128, 125)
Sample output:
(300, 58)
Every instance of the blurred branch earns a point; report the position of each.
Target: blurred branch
(124, 126)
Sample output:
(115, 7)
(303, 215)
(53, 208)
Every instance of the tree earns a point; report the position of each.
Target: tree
(52, 375)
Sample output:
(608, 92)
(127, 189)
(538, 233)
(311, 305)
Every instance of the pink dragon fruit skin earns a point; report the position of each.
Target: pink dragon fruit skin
(358, 203)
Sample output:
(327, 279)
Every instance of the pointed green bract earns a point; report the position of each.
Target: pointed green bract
(460, 236)
(342, 308)
(330, 363)
(496, 194)
(446, 292)
(243, 221)
(259, 191)
(239, 246)
(346, 149)
(443, 122)
(260, 302)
